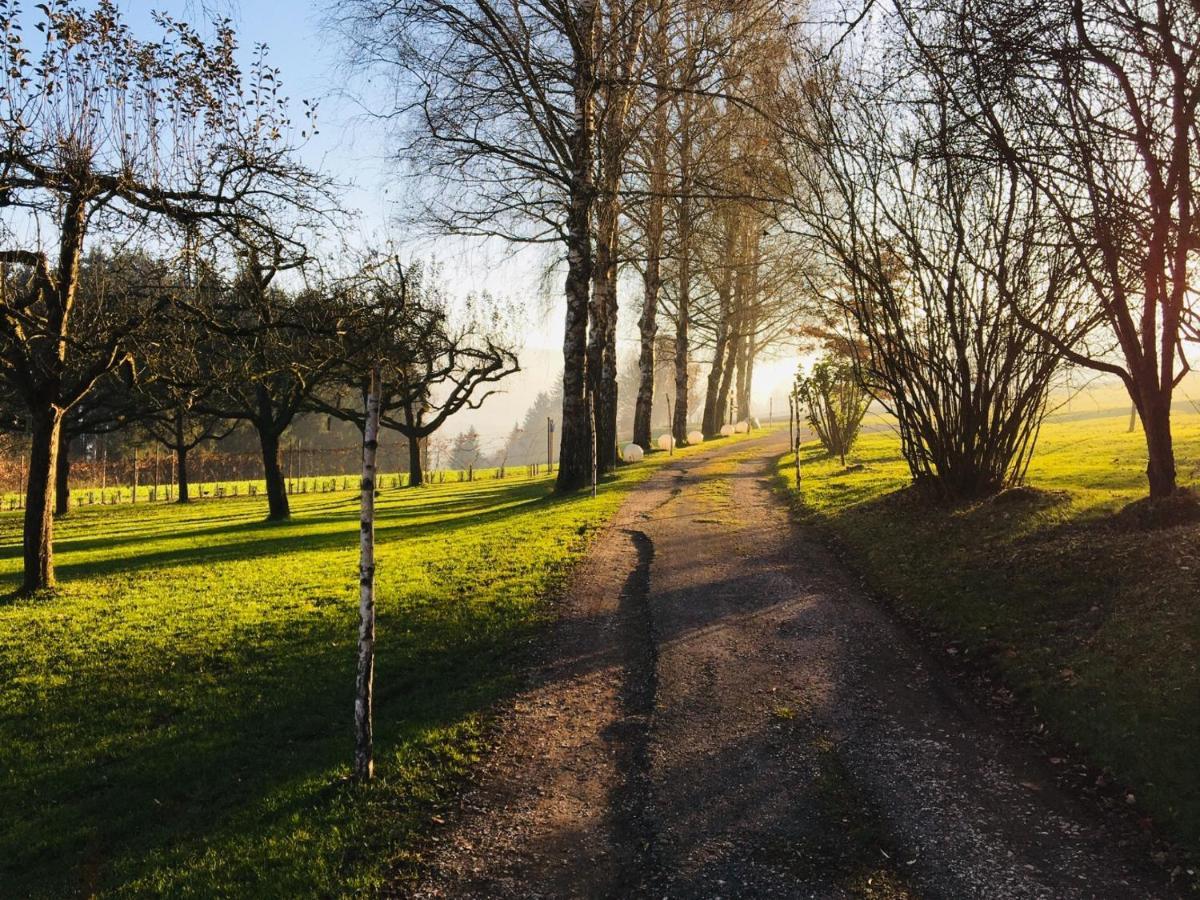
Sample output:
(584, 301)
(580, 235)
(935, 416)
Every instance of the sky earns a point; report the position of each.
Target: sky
(354, 152)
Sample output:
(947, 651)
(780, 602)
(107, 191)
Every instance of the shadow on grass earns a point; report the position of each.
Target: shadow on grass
(168, 746)
(263, 538)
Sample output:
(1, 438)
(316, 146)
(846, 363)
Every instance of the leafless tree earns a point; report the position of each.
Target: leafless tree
(1096, 105)
(498, 102)
(434, 362)
(103, 133)
(927, 254)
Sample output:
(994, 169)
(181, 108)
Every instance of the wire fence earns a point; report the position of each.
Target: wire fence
(152, 478)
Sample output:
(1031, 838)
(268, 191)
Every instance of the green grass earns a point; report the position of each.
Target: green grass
(1094, 623)
(176, 719)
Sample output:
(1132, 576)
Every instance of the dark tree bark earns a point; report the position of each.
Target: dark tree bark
(648, 330)
(1160, 466)
(416, 473)
(181, 452)
(724, 398)
(277, 498)
(62, 476)
(181, 474)
(711, 420)
(46, 424)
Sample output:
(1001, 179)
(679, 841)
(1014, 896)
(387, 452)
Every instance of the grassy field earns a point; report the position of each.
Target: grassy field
(177, 719)
(1092, 620)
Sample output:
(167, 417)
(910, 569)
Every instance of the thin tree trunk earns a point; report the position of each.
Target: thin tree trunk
(62, 475)
(46, 424)
(278, 507)
(364, 756)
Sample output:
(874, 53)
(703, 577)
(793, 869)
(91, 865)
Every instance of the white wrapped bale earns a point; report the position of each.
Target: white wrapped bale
(754, 423)
(742, 427)
(665, 442)
(695, 437)
(726, 430)
(632, 453)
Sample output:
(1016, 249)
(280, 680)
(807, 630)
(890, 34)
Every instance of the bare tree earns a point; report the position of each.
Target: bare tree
(279, 348)
(103, 132)
(499, 100)
(1096, 105)
(927, 256)
(435, 362)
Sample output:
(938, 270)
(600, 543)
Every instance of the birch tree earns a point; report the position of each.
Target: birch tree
(364, 682)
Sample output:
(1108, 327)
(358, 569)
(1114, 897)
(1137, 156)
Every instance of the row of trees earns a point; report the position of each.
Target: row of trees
(156, 265)
(960, 198)
(631, 134)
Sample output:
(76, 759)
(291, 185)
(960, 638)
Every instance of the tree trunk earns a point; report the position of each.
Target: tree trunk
(277, 498)
(713, 407)
(574, 453)
(183, 494)
(652, 276)
(1160, 453)
(416, 473)
(46, 424)
(599, 366)
(364, 756)
(181, 452)
(62, 476)
(679, 420)
(648, 329)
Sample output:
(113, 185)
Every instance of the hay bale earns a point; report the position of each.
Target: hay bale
(742, 427)
(632, 453)
(726, 430)
(695, 437)
(666, 442)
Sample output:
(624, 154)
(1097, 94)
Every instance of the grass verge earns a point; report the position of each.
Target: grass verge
(1091, 621)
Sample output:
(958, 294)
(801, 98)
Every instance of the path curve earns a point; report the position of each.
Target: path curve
(722, 712)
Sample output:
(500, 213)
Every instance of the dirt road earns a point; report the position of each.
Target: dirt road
(721, 712)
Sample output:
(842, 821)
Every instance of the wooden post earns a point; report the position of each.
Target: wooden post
(549, 444)
(133, 497)
(364, 750)
(670, 427)
(791, 422)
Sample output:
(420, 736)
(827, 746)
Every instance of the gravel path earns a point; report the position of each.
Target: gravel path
(721, 712)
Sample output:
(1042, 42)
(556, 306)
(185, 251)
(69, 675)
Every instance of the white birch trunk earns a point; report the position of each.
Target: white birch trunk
(364, 761)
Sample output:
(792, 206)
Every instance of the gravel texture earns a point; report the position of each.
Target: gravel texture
(720, 711)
